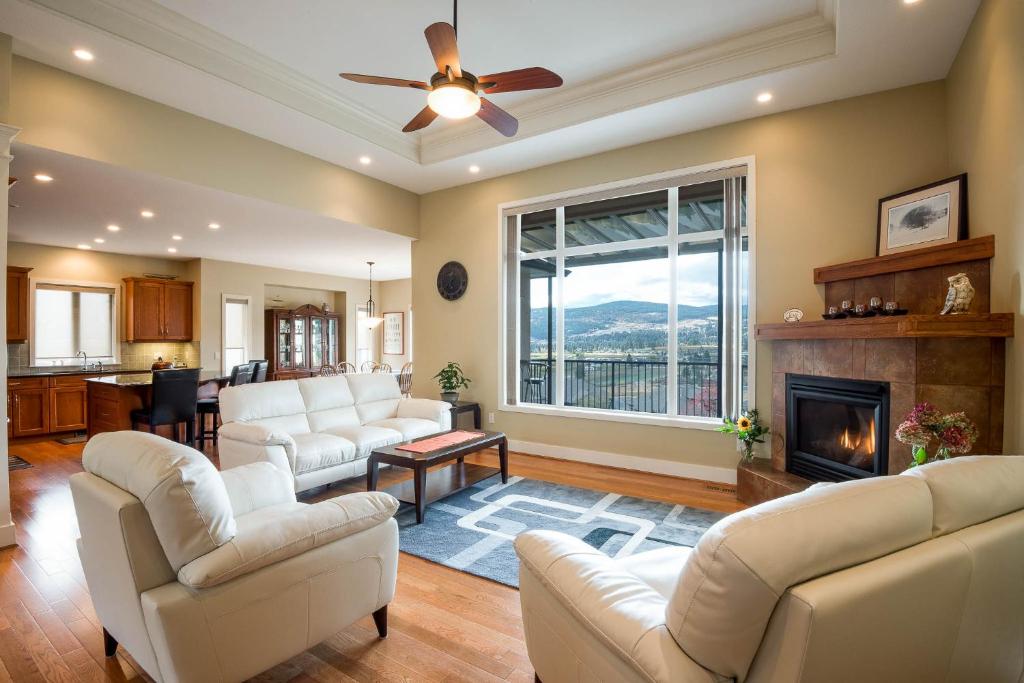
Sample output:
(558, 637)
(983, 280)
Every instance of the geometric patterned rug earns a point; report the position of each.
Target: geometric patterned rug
(17, 463)
(472, 530)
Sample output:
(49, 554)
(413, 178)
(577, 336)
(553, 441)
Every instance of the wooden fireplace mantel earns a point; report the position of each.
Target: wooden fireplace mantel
(893, 327)
(975, 249)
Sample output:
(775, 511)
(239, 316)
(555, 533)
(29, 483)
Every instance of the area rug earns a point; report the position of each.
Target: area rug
(472, 530)
(16, 463)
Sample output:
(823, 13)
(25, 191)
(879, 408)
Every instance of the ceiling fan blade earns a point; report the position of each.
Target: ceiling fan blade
(384, 80)
(534, 78)
(421, 120)
(497, 118)
(443, 45)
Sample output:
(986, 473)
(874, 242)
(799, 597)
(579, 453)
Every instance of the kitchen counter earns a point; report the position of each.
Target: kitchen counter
(61, 371)
(145, 378)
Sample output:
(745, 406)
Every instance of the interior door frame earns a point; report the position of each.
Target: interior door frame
(224, 299)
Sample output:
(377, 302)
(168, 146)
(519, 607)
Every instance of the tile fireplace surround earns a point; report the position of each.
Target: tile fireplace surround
(954, 374)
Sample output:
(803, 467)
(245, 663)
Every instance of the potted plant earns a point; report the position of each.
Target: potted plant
(748, 430)
(955, 433)
(451, 379)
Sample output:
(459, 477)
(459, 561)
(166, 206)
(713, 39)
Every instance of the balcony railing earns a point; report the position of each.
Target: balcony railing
(628, 385)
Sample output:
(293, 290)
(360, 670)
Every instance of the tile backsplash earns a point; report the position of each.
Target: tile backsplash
(136, 356)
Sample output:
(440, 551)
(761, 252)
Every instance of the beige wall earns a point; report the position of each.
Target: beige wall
(58, 110)
(396, 296)
(819, 174)
(985, 99)
(223, 277)
(5, 77)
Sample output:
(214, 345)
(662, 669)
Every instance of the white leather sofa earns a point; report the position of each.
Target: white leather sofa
(917, 577)
(321, 429)
(205, 576)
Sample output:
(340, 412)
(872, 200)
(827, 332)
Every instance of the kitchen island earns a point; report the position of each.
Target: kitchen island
(112, 398)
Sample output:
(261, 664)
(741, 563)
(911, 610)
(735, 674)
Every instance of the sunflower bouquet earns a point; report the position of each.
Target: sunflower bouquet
(748, 430)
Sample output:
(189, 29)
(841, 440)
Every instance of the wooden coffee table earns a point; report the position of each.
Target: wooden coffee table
(459, 475)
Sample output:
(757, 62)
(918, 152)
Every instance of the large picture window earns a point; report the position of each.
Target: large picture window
(72, 319)
(631, 300)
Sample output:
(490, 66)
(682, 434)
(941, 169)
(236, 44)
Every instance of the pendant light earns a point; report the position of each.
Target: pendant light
(372, 320)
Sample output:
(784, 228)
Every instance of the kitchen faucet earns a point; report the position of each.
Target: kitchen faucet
(85, 359)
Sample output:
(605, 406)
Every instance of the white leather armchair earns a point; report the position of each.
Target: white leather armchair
(905, 578)
(208, 576)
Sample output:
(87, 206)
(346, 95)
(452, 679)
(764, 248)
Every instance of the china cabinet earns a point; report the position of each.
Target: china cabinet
(301, 341)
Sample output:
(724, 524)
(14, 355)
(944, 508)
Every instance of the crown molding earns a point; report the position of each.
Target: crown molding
(155, 28)
(784, 45)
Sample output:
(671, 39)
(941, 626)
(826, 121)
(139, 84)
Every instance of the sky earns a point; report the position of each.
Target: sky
(637, 281)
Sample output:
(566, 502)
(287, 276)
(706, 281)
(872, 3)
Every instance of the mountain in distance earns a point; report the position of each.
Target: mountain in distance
(625, 326)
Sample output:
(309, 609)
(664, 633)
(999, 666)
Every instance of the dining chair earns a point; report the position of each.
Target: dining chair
(368, 366)
(346, 368)
(172, 402)
(405, 380)
(383, 368)
(244, 373)
(259, 371)
(328, 370)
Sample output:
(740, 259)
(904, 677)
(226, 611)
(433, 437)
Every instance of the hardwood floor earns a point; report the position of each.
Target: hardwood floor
(444, 625)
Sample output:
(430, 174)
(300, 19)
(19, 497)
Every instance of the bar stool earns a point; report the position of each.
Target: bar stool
(240, 374)
(172, 402)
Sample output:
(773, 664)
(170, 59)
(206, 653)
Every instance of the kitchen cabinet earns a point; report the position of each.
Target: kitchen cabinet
(157, 310)
(68, 405)
(301, 341)
(17, 304)
(28, 401)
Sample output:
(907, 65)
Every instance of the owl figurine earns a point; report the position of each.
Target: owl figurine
(959, 296)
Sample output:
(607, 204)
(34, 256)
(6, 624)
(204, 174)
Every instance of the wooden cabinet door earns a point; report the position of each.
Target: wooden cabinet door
(31, 412)
(68, 409)
(177, 311)
(148, 311)
(17, 305)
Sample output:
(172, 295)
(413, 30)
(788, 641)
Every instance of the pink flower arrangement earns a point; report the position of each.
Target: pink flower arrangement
(954, 431)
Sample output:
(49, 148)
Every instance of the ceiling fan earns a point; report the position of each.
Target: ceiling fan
(455, 93)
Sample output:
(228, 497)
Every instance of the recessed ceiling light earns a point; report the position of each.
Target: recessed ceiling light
(365, 160)
(99, 240)
(146, 213)
(214, 226)
(911, 2)
(172, 250)
(474, 169)
(176, 237)
(764, 97)
(113, 228)
(84, 246)
(42, 177)
(83, 54)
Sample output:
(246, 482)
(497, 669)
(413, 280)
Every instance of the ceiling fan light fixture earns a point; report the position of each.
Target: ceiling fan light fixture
(453, 101)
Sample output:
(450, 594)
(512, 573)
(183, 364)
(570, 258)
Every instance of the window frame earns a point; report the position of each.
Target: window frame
(115, 317)
(224, 300)
(669, 181)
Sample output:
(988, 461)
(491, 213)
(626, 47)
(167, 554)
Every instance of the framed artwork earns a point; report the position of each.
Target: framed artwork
(923, 217)
(393, 337)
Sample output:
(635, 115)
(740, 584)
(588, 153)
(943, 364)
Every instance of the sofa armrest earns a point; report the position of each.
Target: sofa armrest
(276, 536)
(261, 436)
(620, 610)
(427, 409)
(257, 485)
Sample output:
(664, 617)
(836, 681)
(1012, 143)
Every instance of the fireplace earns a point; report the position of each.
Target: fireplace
(836, 429)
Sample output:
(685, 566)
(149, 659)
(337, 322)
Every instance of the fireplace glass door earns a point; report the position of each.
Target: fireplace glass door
(837, 429)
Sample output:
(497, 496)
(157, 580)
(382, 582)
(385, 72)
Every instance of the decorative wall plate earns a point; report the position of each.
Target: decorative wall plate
(793, 315)
(452, 280)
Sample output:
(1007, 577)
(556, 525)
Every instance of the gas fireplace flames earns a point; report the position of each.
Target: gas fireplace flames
(853, 443)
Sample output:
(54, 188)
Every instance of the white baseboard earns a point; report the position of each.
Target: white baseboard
(7, 537)
(723, 475)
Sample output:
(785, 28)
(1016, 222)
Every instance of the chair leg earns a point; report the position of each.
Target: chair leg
(380, 619)
(109, 644)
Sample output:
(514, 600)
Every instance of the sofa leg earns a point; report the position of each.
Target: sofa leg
(380, 618)
(109, 644)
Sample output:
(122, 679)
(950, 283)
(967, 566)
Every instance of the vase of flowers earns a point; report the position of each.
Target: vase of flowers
(953, 432)
(748, 430)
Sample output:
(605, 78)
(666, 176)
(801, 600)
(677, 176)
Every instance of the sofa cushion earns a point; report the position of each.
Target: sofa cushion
(368, 437)
(315, 451)
(659, 568)
(410, 427)
(735, 575)
(377, 396)
(180, 488)
(329, 403)
(972, 489)
(276, 405)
